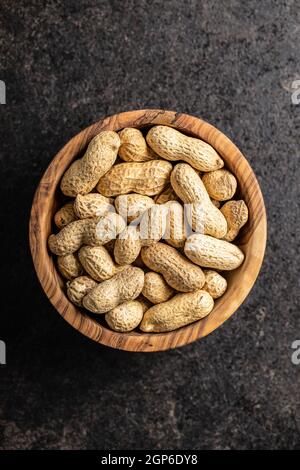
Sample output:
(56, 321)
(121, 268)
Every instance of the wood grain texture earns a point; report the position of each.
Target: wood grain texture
(252, 239)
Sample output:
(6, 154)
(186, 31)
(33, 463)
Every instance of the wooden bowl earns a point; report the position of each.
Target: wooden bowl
(252, 239)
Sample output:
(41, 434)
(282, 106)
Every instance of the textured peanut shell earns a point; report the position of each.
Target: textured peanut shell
(78, 288)
(153, 224)
(98, 263)
(69, 239)
(65, 215)
(210, 252)
(151, 229)
(126, 285)
(127, 246)
(92, 205)
(147, 178)
(172, 145)
(83, 175)
(101, 230)
(236, 215)
(215, 284)
(125, 317)
(178, 271)
(220, 184)
(134, 147)
(132, 206)
(69, 266)
(95, 231)
(165, 196)
(202, 213)
(175, 234)
(181, 310)
(156, 289)
(207, 219)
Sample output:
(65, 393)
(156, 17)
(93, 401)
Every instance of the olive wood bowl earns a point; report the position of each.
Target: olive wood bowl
(252, 238)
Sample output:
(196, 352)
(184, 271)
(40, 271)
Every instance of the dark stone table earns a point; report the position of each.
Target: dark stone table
(66, 64)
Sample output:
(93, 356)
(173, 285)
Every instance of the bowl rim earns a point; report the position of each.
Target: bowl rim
(41, 221)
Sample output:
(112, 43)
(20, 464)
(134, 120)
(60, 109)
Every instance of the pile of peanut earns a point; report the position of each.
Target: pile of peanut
(140, 227)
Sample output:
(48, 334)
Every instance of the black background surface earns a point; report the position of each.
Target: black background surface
(66, 64)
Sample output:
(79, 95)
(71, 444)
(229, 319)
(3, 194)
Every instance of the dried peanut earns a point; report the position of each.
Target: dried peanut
(176, 230)
(215, 284)
(147, 178)
(181, 310)
(236, 215)
(151, 229)
(101, 230)
(156, 289)
(65, 215)
(172, 145)
(127, 246)
(134, 147)
(126, 285)
(220, 184)
(132, 206)
(202, 214)
(179, 272)
(98, 263)
(69, 239)
(95, 231)
(210, 252)
(83, 175)
(125, 317)
(167, 195)
(153, 224)
(78, 288)
(92, 205)
(69, 266)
